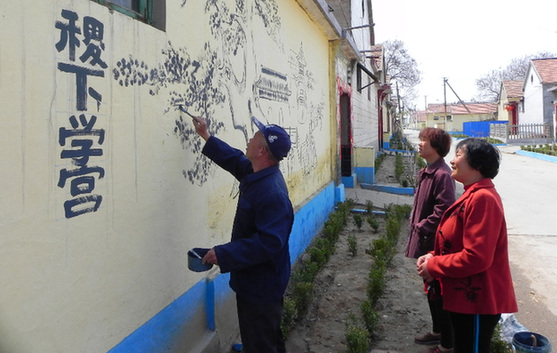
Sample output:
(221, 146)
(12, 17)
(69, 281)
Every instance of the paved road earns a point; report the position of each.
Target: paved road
(528, 188)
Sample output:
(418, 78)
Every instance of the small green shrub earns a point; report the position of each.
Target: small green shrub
(352, 245)
(306, 272)
(497, 344)
(289, 316)
(379, 160)
(549, 149)
(371, 317)
(383, 249)
(403, 211)
(373, 223)
(399, 166)
(392, 227)
(302, 293)
(333, 227)
(343, 210)
(376, 284)
(493, 141)
(420, 162)
(358, 220)
(357, 339)
(326, 246)
(318, 255)
(369, 207)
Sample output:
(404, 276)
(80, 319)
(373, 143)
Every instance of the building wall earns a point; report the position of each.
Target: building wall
(502, 113)
(549, 98)
(365, 116)
(105, 188)
(533, 100)
(365, 133)
(456, 123)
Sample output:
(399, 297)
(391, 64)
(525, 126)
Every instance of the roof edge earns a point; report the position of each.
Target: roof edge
(318, 11)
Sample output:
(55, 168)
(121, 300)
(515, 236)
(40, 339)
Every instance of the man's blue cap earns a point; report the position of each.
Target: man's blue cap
(277, 138)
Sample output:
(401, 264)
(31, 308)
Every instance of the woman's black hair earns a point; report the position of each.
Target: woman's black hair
(481, 155)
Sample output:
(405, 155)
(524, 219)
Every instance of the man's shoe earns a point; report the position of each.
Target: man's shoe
(436, 349)
(428, 338)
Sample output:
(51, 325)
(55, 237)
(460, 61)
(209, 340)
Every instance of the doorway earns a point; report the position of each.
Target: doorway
(345, 136)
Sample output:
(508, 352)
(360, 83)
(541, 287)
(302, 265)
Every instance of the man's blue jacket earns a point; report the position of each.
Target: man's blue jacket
(257, 257)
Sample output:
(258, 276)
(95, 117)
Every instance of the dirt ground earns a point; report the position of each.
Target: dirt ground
(341, 287)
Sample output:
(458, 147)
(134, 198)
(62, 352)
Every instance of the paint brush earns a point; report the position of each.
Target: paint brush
(196, 254)
(185, 111)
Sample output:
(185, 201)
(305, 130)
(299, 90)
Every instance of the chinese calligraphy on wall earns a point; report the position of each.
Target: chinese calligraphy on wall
(81, 43)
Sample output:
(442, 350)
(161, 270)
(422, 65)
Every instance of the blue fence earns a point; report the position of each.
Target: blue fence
(479, 128)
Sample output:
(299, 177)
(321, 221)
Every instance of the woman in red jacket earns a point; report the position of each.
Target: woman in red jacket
(471, 251)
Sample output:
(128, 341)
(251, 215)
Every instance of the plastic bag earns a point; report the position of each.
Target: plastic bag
(510, 326)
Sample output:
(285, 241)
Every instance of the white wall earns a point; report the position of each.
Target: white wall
(533, 100)
(365, 118)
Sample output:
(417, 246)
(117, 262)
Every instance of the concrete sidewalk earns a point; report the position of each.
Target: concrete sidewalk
(379, 199)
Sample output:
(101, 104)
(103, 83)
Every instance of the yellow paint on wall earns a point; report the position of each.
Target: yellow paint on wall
(318, 178)
(364, 157)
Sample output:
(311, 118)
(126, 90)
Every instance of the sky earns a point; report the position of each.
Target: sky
(464, 40)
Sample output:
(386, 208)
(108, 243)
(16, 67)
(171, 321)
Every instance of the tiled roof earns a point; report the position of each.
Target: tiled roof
(513, 88)
(547, 69)
(422, 116)
(459, 109)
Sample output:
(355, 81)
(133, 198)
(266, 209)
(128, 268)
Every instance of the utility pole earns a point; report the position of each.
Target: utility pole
(445, 84)
(398, 100)
(398, 104)
(445, 95)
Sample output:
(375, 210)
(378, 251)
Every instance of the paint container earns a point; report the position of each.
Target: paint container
(530, 342)
(195, 256)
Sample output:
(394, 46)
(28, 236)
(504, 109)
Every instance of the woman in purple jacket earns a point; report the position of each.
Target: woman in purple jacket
(435, 193)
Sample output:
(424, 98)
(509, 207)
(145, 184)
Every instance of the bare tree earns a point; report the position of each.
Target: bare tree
(401, 69)
(489, 85)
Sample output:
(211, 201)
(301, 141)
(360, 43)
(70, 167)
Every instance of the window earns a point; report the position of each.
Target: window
(148, 11)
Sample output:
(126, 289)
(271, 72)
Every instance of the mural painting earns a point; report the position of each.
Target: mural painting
(227, 76)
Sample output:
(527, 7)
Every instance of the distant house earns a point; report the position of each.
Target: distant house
(451, 117)
(540, 92)
(510, 101)
(417, 120)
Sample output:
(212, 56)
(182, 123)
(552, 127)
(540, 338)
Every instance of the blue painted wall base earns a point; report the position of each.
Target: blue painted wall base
(388, 189)
(543, 157)
(365, 174)
(340, 194)
(349, 181)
